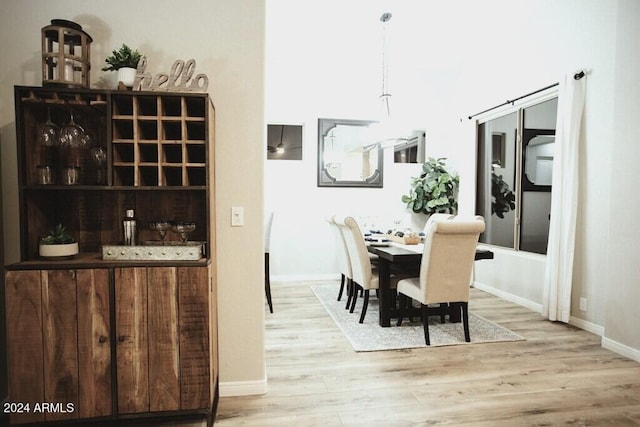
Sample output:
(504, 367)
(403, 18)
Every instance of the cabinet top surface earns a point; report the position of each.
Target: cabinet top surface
(94, 260)
(53, 89)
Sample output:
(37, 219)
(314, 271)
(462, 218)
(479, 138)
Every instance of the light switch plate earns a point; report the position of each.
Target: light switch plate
(237, 216)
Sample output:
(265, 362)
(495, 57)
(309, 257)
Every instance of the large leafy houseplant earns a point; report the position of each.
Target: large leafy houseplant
(435, 190)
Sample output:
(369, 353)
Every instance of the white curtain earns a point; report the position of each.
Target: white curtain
(564, 200)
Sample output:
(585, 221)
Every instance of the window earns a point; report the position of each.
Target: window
(514, 171)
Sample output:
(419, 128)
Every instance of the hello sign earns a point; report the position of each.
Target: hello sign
(180, 79)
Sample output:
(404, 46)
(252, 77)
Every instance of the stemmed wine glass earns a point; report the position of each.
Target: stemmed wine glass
(48, 132)
(161, 226)
(72, 140)
(73, 135)
(99, 157)
(184, 228)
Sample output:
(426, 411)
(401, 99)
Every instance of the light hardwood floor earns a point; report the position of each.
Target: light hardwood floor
(559, 376)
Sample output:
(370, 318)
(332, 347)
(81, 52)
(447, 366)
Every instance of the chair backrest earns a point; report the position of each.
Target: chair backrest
(343, 253)
(447, 260)
(357, 248)
(436, 217)
(268, 224)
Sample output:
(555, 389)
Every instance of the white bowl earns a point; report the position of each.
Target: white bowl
(56, 251)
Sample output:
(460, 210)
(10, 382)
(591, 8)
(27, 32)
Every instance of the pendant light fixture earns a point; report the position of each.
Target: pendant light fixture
(387, 131)
(385, 96)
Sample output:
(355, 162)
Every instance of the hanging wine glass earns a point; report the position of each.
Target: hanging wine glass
(73, 141)
(48, 137)
(72, 135)
(48, 132)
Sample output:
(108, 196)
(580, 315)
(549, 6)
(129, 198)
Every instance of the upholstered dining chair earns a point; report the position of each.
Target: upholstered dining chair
(267, 249)
(364, 276)
(447, 262)
(436, 217)
(343, 258)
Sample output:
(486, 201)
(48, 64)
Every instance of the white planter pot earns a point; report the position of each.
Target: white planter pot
(127, 76)
(56, 251)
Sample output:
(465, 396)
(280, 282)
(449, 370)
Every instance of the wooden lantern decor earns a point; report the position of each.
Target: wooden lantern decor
(65, 54)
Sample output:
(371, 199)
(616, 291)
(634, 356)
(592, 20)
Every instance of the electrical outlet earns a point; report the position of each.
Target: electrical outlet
(237, 216)
(583, 304)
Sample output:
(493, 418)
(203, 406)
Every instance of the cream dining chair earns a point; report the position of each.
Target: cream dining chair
(363, 275)
(445, 269)
(343, 258)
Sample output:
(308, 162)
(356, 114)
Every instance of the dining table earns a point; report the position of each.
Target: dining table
(393, 255)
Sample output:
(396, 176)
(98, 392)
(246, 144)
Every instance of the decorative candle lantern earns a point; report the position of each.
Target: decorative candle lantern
(65, 54)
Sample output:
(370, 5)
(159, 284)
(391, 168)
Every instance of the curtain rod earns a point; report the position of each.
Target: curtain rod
(576, 76)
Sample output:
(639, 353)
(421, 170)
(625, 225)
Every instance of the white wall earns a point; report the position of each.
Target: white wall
(226, 38)
(452, 59)
(622, 251)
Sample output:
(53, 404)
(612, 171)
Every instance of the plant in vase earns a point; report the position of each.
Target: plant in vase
(125, 62)
(58, 243)
(435, 190)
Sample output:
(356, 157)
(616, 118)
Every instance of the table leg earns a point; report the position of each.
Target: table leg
(384, 282)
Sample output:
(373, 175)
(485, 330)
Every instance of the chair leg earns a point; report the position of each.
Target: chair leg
(356, 289)
(365, 304)
(267, 281)
(425, 323)
(341, 287)
(401, 304)
(465, 321)
(442, 307)
(349, 293)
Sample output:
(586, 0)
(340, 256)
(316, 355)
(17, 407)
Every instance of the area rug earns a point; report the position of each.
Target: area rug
(369, 336)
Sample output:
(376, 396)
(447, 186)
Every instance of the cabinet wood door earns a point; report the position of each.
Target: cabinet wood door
(60, 337)
(58, 343)
(94, 343)
(132, 353)
(194, 330)
(164, 387)
(163, 350)
(25, 353)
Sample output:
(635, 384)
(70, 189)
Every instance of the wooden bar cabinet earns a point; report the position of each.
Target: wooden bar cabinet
(90, 339)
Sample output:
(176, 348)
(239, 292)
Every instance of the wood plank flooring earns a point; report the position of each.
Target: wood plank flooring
(559, 376)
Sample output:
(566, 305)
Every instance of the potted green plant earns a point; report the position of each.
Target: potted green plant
(435, 190)
(58, 243)
(502, 198)
(125, 62)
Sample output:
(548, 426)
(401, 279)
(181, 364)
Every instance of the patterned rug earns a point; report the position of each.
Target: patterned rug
(369, 336)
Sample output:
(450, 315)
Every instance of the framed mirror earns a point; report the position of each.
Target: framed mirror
(345, 159)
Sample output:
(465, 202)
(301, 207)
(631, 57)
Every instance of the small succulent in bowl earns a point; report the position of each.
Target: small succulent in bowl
(58, 243)
(58, 235)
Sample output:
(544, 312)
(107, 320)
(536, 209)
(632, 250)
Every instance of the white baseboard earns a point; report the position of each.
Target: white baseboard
(624, 350)
(587, 326)
(508, 297)
(286, 278)
(242, 388)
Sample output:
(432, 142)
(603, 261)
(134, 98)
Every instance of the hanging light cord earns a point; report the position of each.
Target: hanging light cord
(384, 96)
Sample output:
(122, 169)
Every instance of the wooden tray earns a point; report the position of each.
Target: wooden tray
(405, 240)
